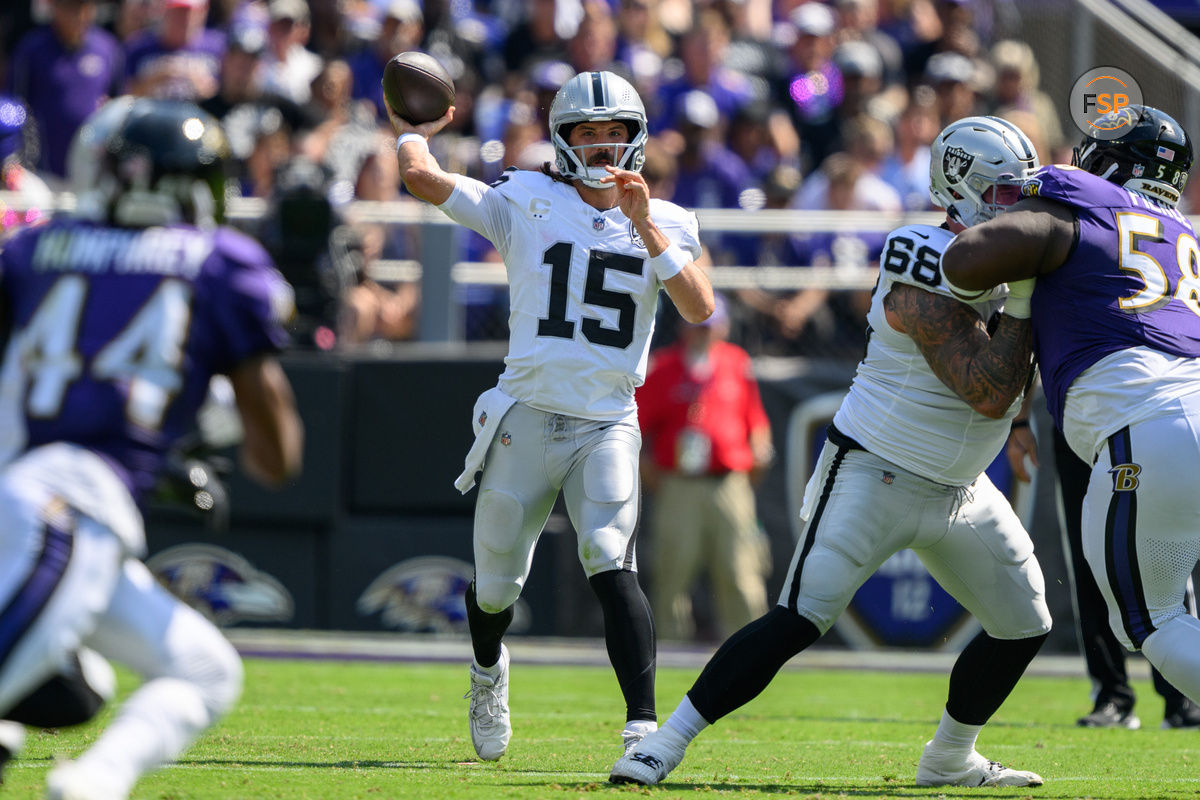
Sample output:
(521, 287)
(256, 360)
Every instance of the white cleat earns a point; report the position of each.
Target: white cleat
(69, 781)
(977, 771)
(488, 715)
(652, 759)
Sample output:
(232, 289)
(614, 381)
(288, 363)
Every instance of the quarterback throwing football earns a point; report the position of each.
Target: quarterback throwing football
(586, 251)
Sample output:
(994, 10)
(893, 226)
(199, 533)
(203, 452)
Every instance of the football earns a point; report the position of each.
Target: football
(417, 87)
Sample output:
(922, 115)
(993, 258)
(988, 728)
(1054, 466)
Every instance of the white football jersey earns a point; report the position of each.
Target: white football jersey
(582, 296)
(897, 408)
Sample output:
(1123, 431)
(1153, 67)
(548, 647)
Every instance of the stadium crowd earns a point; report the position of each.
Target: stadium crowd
(751, 103)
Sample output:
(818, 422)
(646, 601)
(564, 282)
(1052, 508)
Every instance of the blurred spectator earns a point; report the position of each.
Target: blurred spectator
(402, 29)
(953, 77)
(702, 53)
(862, 76)
(179, 61)
(289, 67)
(35, 201)
(858, 21)
(814, 91)
(662, 168)
(1016, 88)
(906, 167)
(763, 138)
(318, 253)
(370, 311)
(842, 184)
(345, 135)
(135, 17)
(710, 174)
(240, 78)
(642, 44)
(707, 442)
(594, 45)
(536, 38)
(868, 142)
(63, 72)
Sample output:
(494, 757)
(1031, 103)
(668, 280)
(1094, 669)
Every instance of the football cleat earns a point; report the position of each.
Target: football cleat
(631, 737)
(1110, 715)
(1185, 715)
(488, 714)
(70, 781)
(652, 759)
(976, 771)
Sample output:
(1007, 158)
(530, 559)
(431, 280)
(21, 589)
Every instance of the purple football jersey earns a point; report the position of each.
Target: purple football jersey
(1129, 282)
(116, 332)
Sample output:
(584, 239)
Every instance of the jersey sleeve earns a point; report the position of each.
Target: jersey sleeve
(482, 208)
(253, 301)
(912, 255)
(679, 225)
(1073, 187)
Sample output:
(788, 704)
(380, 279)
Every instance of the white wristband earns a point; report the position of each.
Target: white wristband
(670, 262)
(412, 137)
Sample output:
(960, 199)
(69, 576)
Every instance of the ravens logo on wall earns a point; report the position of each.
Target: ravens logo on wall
(426, 595)
(221, 584)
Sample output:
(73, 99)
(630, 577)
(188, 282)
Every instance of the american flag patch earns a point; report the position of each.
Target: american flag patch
(1166, 153)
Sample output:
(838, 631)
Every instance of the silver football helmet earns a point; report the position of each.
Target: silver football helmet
(597, 97)
(972, 155)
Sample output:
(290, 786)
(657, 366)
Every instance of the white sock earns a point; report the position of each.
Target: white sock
(12, 736)
(955, 738)
(686, 720)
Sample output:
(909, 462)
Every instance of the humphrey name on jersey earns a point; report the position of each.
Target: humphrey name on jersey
(155, 251)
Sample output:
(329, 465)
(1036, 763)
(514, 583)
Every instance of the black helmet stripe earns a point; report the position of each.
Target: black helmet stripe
(1026, 153)
(598, 90)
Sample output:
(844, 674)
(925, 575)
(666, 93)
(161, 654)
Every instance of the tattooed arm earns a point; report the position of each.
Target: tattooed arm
(987, 372)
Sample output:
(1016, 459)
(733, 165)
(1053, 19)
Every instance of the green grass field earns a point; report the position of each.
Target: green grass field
(346, 730)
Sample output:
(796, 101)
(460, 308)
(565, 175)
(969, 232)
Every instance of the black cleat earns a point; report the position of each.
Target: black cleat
(1184, 715)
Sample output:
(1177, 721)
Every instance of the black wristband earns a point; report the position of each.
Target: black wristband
(1019, 423)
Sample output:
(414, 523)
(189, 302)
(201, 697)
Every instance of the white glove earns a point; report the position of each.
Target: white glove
(1019, 292)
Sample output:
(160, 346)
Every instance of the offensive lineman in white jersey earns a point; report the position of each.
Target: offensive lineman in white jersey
(586, 251)
(928, 410)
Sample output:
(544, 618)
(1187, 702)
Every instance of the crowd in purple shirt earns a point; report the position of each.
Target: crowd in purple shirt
(752, 103)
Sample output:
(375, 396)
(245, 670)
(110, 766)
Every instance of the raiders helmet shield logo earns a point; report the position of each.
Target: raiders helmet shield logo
(956, 162)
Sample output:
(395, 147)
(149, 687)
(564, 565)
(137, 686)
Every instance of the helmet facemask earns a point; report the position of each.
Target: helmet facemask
(597, 97)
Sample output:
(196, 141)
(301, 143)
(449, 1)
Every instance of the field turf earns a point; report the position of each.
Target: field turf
(350, 730)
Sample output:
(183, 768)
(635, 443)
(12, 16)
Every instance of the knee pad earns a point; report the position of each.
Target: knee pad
(207, 661)
(610, 475)
(499, 519)
(494, 594)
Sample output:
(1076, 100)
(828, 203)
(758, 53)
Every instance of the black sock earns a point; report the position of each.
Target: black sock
(985, 673)
(486, 629)
(629, 635)
(749, 660)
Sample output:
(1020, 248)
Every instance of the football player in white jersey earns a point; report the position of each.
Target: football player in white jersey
(903, 467)
(586, 251)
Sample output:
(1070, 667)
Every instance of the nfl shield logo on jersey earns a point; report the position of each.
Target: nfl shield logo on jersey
(956, 162)
(597, 223)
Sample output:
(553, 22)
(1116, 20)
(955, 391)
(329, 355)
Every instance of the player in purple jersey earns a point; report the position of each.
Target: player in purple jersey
(1116, 320)
(118, 317)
